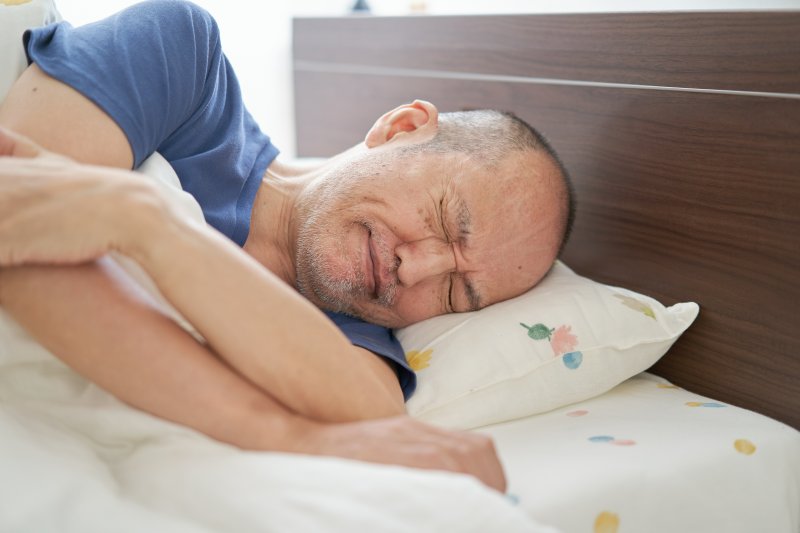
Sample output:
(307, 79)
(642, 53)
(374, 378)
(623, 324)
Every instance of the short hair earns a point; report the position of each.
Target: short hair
(491, 135)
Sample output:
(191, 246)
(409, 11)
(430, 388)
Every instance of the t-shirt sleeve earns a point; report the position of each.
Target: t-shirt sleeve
(157, 69)
(380, 341)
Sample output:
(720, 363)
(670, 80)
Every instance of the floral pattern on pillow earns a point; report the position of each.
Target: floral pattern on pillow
(636, 305)
(562, 341)
(418, 360)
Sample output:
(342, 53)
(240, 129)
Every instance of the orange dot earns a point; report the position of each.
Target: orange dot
(623, 442)
(694, 404)
(744, 446)
(606, 522)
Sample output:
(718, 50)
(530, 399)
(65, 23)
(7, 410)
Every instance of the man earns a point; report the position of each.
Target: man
(398, 229)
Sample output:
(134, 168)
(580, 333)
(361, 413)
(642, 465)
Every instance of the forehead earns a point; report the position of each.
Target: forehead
(512, 214)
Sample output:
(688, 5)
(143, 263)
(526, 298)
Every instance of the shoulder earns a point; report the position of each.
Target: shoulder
(179, 17)
(175, 9)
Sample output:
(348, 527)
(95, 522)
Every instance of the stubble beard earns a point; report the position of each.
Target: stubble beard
(315, 278)
(317, 281)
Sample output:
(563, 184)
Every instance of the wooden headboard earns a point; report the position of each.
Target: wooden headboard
(681, 132)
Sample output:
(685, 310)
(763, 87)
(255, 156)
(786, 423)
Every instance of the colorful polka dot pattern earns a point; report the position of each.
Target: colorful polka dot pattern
(608, 522)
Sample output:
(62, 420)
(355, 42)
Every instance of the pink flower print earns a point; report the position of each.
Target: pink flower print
(563, 340)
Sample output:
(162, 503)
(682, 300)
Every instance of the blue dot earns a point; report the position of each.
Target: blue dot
(713, 404)
(572, 360)
(601, 438)
(513, 498)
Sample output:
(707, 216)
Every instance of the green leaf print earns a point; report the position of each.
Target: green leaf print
(538, 331)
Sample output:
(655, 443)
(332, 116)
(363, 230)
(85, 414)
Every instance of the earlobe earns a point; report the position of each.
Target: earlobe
(419, 118)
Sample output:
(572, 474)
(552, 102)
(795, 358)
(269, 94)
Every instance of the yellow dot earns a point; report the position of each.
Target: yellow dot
(606, 523)
(744, 446)
(694, 404)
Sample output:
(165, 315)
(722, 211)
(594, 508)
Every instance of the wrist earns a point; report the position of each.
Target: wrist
(146, 225)
(281, 431)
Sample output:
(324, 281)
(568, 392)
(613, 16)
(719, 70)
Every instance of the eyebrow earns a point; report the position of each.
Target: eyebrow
(464, 222)
(473, 297)
(463, 218)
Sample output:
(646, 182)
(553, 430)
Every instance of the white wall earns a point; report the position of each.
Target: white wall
(256, 36)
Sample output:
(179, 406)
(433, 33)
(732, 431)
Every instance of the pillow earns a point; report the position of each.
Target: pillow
(16, 16)
(566, 340)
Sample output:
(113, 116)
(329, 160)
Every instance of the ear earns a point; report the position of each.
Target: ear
(417, 118)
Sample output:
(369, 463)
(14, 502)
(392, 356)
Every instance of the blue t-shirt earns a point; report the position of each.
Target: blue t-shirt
(157, 69)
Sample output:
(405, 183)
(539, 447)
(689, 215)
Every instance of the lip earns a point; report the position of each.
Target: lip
(369, 264)
(376, 266)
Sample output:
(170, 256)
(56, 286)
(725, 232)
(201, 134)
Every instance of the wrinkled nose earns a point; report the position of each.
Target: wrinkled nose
(424, 259)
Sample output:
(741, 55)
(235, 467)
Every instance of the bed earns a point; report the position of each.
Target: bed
(681, 132)
(682, 135)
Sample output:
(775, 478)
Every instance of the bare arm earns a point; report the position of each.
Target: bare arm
(62, 120)
(161, 369)
(260, 325)
(255, 334)
(107, 329)
(165, 371)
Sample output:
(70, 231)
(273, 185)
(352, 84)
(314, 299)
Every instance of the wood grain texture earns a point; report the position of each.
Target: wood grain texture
(681, 195)
(747, 51)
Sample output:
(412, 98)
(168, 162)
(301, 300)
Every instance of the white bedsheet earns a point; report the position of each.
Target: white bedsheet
(74, 459)
(650, 457)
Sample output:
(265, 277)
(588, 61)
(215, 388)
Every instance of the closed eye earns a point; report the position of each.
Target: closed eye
(450, 284)
(450, 293)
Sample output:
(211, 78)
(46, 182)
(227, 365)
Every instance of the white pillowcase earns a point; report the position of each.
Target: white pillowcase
(566, 340)
(16, 16)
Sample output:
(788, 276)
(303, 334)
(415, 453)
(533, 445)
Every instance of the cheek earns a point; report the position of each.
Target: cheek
(419, 303)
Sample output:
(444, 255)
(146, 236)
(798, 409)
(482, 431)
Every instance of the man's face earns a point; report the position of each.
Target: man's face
(398, 241)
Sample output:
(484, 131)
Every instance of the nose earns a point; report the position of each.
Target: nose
(424, 259)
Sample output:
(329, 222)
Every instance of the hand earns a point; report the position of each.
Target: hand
(404, 441)
(56, 211)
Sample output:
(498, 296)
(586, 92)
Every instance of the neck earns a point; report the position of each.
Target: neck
(270, 239)
(273, 222)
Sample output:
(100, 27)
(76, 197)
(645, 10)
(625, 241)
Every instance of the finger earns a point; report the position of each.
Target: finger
(16, 145)
(464, 452)
(495, 473)
(477, 456)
